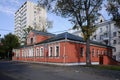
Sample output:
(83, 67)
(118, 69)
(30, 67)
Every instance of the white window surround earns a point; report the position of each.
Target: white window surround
(22, 53)
(50, 51)
(57, 54)
(41, 52)
(37, 51)
(31, 54)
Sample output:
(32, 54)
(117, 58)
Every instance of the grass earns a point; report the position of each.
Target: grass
(108, 67)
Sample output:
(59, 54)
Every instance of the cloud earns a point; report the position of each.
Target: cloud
(15, 2)
(9, 6)
(7, 10)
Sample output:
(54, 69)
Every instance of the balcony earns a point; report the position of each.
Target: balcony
(105, 38)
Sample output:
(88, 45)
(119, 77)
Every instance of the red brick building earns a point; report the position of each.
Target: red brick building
(61, 49)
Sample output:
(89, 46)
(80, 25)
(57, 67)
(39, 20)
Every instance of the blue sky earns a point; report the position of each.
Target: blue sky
(9, 7)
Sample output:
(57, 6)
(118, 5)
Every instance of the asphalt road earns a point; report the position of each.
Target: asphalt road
(25, 71)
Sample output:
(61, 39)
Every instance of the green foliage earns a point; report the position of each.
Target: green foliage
(109, 67)
(113, 8)
(26, 31)
(9, 42)
(88, 31)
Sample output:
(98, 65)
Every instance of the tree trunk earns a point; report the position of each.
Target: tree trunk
(88, 60)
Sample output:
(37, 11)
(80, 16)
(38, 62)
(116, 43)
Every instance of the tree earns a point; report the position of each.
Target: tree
(26, 31)
(82, 13)
(9, 42)
(113, 8)
(45, 23)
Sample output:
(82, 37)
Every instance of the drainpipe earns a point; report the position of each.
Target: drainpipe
(109, 42)
(34, 52)
(109, 34)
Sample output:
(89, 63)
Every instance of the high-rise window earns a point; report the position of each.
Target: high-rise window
(107, 28)
(114, 49)
(100, 29)
(114, 34)
(114, 41)
(106, 34)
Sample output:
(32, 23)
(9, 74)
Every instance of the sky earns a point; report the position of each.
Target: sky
(9, 7)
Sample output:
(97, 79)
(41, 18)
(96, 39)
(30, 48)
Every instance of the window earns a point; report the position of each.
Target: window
(34, 11)
(32, 52)
(22, 53)
(81, 51)
(97, 53)
(57, 51)
(50, 51)
(114, 41)
(106, 34)
(114, 49)
(41, 51)
(94, 36)
(114, 34)
(105, 52)
(100, 29)
(31, 40)
(101, 37)
(107, 28)
(17, 53)
(93, 51)
(26, 52)
(37, 52)
(114, 57)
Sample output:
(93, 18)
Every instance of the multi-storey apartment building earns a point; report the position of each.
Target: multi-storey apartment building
(108, 33)
(29, 14)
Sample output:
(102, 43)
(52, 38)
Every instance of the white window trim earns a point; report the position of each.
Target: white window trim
(50, 51)
(37, 52)
(56, 51)
(41, 53)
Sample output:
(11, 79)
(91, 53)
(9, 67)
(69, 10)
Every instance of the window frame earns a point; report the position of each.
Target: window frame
(50, 51)
(81, 51)
(41, 54)
(57, 54)
(37, 52)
